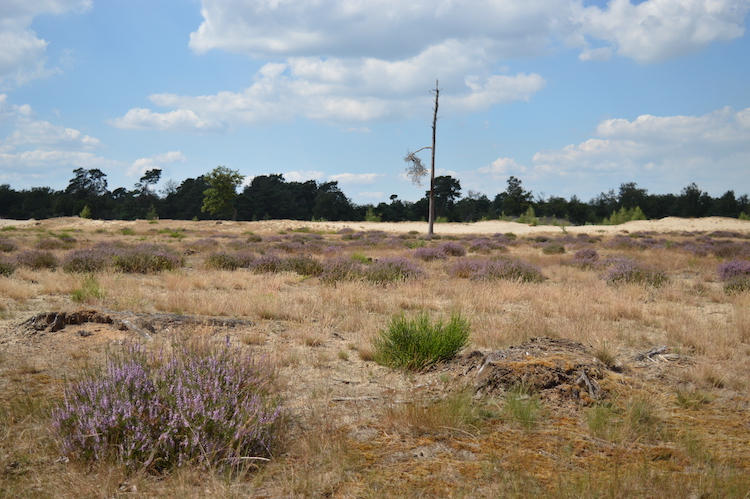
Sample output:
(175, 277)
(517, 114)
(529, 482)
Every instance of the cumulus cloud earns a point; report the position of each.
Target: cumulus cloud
(673, 148)
(355, 178)
(303, 176)
(178, 120)
(502, 167)
(22, 57)
(657, 30)
(142, 165)
(395, 30)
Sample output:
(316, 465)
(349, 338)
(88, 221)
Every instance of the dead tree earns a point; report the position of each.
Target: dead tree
(416, 170)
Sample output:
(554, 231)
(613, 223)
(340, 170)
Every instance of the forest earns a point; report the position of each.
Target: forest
(273, 197)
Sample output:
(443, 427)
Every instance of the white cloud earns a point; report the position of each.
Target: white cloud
(303, 176)
(676, 149)
(179, 120)
(347, 63)
(142, 165)
(355, 178)
(395, 30)
(502, 167)
(657, 30)
(22, 57)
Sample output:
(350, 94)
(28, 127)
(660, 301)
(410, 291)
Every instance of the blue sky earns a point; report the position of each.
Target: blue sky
(573, 98)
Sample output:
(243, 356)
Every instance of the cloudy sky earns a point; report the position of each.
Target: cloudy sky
(570, 96)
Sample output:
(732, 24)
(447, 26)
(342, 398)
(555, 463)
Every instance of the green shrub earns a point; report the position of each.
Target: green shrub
(624, 215)
(303, 265)
(6, 267)
(417, 343)
(553, 249)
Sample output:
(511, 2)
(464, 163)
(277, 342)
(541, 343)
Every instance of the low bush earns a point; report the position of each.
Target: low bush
(395, 269)
(452, 249)
(265, 264)
(735, 274)
(497, 268)
(586, 258)
(7, 267)
(89, 260)
(90, 290)
(303, 265)
(553, 249)
(628, 270)
(37, 260)
(417, 343)
(146, 258)
(205, 406)
(340, 269)
(223, 261)
(55, 243)
(7, 246)
(429, 254)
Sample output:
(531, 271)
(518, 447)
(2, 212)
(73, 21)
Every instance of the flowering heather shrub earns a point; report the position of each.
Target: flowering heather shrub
(223, 261)
(340, 269)
(429, 254)
(146, 258)
(725, 233)
(291, 246)
(88, 260)
(395, 269)
(586, 258)
(726, 249)
(348, 236)
(332, 250)
(627, 270)
(7, 267)
(202, 406)
(302, 265)
(696, 249)
(484, 245)
(254, 238)
(735, 274)
(345, 230)
(452, 249)
(6, 245)
(36, 260)
(553, 248)
(508, 268)
(465, 267)
(265, 263)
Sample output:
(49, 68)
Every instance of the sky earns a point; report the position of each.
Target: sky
(573, 97)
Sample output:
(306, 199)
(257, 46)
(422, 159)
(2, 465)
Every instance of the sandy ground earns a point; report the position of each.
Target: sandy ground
(664, 225)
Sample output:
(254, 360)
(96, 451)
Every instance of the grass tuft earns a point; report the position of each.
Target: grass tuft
(417, 343)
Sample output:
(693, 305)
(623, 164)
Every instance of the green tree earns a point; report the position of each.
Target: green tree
(218, 199)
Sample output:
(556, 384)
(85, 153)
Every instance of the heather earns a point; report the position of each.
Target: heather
(735, 274)
(145, 258)
(430, 254)
(202, 405)
(512, 269)
(630, 271)
(37, 259)
(585, 258)
(393, 269)
(7, 267)
(7, 245)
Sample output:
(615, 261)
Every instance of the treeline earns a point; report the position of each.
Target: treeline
(272, 197)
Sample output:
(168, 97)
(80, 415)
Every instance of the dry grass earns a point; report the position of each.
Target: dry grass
(673, 428)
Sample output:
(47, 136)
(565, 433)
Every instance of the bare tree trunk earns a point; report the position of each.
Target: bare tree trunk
(431, 215)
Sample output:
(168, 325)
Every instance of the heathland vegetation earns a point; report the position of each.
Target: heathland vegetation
(238, 359)
(213, 196)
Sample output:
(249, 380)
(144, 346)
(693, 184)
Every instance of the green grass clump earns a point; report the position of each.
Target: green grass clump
(417, 343)
(89, 291)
